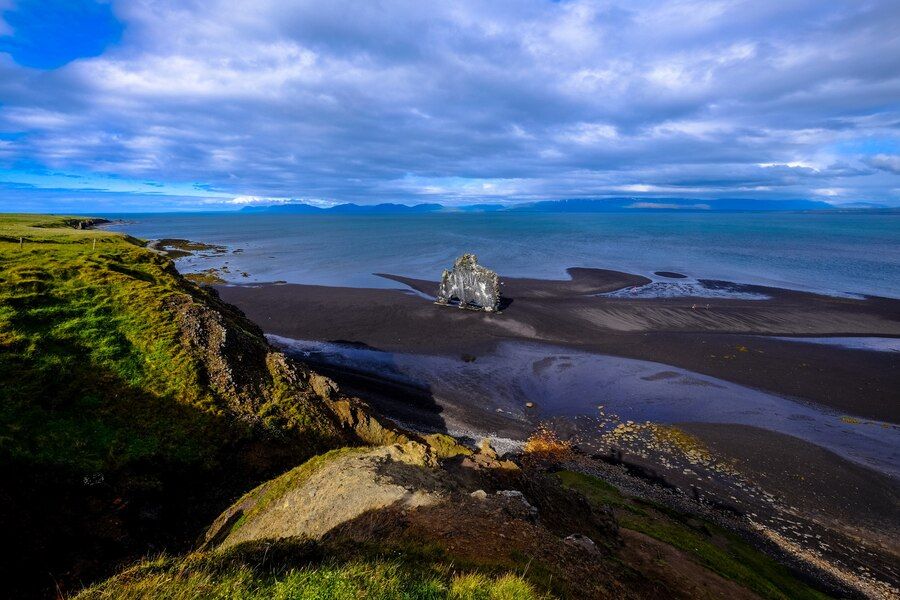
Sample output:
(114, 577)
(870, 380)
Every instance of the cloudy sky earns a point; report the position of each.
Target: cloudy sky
(165, 104)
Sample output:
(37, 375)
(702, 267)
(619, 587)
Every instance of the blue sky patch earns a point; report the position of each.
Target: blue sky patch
(48, 34)
(869, 146)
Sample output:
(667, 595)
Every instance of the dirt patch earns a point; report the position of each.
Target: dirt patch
(658, 561)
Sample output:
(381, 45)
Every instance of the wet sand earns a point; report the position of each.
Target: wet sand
(824, 489)
(518, 385)
(731, 339)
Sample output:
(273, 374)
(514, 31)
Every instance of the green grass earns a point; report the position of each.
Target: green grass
(215, 577)
(708, 544)
(93, 371)
(97, 384)
(95, 378)
(92, 374)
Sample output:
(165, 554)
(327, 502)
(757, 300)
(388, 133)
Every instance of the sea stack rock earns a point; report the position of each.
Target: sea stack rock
(469, 285)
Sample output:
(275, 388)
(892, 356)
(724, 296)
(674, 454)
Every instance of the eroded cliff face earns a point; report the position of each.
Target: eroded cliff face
(470, 285)
(247, 377)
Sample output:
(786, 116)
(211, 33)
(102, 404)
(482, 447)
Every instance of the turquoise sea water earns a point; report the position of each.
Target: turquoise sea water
(837, 253)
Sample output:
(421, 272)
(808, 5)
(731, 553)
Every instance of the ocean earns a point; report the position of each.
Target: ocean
(840, 253)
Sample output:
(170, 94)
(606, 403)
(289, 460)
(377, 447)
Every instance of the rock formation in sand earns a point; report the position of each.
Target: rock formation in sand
(470, 285)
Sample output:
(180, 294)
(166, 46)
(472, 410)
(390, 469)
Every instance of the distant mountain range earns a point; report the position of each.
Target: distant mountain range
(344, 209)
(569, 206)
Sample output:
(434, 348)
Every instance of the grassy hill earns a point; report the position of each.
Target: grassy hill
(133, 403)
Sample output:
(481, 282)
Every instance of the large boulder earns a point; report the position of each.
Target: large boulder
(330, 490)
(469, 285)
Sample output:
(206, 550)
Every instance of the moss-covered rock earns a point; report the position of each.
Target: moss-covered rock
(330, 490)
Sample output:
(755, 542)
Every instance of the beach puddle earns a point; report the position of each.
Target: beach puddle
(684, 289)
(566, 383)
(873, 344)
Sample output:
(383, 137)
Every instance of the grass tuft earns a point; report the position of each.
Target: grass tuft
(202, 576)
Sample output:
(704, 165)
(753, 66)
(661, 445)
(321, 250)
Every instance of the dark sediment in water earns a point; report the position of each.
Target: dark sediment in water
(670, 274)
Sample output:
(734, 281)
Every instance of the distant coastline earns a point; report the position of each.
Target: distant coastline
(568, 206)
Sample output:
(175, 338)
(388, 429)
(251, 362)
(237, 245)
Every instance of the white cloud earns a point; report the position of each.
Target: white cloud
(590, 133)
(249, 200)
(794, 164)
(885, 162)
(38, 118)
(705, 129)
(638, 187)
(272, 200)
(432, 100)
(264, 70)
(460, 187)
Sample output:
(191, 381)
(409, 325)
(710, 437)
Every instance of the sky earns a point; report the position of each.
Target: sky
(213, 104)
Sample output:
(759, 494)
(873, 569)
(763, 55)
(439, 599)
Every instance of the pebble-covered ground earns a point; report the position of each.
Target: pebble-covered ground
(676, 467)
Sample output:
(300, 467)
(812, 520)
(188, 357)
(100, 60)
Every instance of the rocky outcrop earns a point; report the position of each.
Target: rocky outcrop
(389, 499)
(469, 285)
(357, 417)
(336, 488)
(246, 376)
(265, 387)
(330, 490)
(90, 223)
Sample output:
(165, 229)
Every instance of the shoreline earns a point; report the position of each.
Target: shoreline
(522, 384)
(812, 503)
(730, 339)
(185, 450)
(719, 337)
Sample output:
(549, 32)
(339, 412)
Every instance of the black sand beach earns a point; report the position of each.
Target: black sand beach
(722, 337)
(805, 499)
